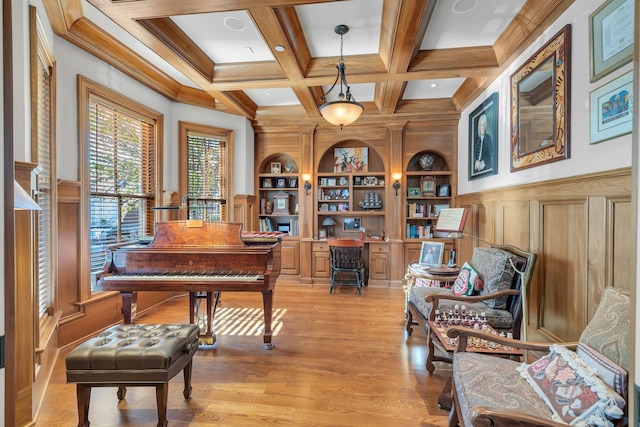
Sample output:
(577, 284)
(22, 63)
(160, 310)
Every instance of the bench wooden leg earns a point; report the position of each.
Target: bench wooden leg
(83, 396)
(187, 380)
(162, 392)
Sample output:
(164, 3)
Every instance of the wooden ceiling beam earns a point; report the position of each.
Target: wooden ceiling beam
(182, 46)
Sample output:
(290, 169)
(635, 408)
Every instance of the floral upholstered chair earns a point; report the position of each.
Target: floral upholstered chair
(582, 384)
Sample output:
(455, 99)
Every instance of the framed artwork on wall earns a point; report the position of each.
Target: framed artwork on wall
(348, 160)
(610, 37)
(352, 224)
(611, 109)
(483, 139)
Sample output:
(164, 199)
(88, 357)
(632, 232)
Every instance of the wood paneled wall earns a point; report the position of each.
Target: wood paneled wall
(578, 227)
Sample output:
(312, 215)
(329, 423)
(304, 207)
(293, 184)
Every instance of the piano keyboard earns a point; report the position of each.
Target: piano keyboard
(214, 277)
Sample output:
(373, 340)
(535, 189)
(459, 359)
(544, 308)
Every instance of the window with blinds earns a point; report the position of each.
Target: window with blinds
(122, 162)
(206, 176)
(44, 196)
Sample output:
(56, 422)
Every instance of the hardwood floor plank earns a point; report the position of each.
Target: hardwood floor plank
(340, 360)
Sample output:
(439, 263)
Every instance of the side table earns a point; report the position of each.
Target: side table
(440, 276)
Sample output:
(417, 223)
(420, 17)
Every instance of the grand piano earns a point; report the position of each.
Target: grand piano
(203, 258)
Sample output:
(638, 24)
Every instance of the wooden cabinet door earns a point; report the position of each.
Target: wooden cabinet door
(379, 261)
(290, 261)
(321, 262)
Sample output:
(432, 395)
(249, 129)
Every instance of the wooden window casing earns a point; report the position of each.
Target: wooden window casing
(206, 154)
(121, 176)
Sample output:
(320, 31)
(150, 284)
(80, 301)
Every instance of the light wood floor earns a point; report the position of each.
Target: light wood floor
(340, 360)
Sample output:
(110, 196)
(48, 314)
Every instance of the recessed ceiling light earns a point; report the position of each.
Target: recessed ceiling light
(433, 84)
(234, 24)
(279, 48)
(464, 6)
(268, 93)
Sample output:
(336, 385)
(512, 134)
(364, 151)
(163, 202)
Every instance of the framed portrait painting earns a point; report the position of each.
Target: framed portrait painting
(483, 139)
(611, 109)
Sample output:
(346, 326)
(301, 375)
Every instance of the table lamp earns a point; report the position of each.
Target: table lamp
(328, 222)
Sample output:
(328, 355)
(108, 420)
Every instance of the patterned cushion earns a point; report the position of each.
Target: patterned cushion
(487, 381)
(608, 330)
(572, 391)
(468, 281)
(495, 271)
(498, 319)
(612, 374)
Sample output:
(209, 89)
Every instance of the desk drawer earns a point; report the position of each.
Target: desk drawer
(320, 247)
(378, 248)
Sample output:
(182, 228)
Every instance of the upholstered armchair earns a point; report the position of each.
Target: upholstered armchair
(506, 272)
(583, 383)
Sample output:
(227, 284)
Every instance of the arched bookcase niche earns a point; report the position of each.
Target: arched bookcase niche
(278, 192)
(350, 191)
(428, 186)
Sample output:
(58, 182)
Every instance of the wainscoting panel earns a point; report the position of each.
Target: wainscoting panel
(578, 227)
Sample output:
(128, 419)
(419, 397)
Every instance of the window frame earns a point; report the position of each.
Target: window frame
(87, 90)
(214, 132)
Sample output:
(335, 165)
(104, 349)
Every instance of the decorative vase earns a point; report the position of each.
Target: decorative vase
(426, 162)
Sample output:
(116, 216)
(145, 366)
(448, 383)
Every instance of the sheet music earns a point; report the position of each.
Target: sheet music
(451, 219)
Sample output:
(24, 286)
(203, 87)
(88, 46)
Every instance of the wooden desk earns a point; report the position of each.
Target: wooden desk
(438, 338)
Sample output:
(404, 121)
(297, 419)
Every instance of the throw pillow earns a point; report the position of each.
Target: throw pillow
(572, 390)
(496, 271)
(610, 372)
(468, 281)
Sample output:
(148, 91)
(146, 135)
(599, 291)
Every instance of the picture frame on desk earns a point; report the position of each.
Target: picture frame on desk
(276, 167)
(322, 233)
(352, 224)
(431, 254)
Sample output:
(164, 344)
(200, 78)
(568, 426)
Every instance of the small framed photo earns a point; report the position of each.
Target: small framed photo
(267, 183)
(431, 254)
(610, 37)
(370, 180)
(276, 167)
(293, 183)
(281, 183)
(352, 224)
(439, 208)
(413, 192)
(322, 233)
(428, 186)
(611, 109)
(444, 190)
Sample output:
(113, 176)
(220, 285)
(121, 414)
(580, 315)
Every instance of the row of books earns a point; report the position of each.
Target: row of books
(415, 231)
(424, 210)
(290, 227)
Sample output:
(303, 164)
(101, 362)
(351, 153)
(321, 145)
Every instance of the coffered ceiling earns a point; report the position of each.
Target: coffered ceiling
(272, 60)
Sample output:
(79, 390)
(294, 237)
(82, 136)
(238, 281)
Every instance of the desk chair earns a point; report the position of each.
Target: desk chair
(347, 262)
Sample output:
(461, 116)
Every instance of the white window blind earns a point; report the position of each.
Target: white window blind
(44, 189)
(121, 177)
(206, 177)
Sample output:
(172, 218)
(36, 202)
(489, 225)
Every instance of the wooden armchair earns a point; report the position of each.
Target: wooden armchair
(510, 266)
(492, 391)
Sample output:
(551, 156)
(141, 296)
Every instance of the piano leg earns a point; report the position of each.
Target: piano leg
(129, 306)
(208, 337)
(267, 302)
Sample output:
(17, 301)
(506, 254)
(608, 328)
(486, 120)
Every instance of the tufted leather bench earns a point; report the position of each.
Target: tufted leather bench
(133, 355)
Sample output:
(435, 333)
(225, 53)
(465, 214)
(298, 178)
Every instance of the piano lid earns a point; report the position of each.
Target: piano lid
(196, 233)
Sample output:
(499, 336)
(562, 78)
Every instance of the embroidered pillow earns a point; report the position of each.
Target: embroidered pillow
(468, 281)
(610, 372)
(572, 390)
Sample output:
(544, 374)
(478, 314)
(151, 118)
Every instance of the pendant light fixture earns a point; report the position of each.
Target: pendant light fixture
(345, 110)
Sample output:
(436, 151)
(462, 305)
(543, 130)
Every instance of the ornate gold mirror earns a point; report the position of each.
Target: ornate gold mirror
(540, 105)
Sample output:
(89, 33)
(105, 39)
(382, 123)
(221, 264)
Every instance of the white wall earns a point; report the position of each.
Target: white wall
(584, 158)
(72, 61)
